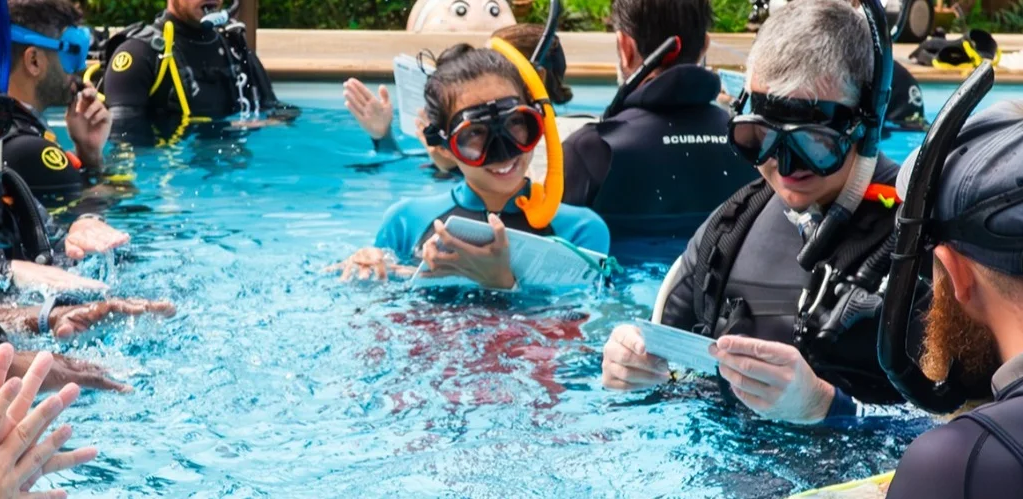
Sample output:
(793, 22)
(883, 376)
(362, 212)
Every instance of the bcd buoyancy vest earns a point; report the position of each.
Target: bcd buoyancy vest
(724, 303)
(254, 89)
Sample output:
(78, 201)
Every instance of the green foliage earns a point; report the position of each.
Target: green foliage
(1010, 20)
(579, 15)
(730, 16)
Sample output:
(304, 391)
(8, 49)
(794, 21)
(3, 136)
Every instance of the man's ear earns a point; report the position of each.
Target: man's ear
(34, 61)
(959, 272)
(628, 52)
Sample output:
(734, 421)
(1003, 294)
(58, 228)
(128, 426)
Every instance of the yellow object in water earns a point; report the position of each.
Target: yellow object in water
(875, 487)
(544, 199)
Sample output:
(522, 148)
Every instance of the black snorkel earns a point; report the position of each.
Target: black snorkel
(543, 47)
(665, 54)
(215, 19)
(892, 348)
(873, 107)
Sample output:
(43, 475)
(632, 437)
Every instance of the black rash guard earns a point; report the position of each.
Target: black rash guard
(965, 459)
(663, 164)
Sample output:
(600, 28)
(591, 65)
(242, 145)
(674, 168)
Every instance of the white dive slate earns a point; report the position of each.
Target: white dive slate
(410, 83)
(536, 261)
(678, 346)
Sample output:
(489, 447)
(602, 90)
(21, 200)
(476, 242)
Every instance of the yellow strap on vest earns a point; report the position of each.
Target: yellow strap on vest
(544, 199)
(169, 62)
(90, 72)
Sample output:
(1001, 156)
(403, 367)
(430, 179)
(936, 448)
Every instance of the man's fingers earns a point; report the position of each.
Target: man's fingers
(634, 376)
(630, 338)
(100, 382)
(385, 96)
(8, 394)
(772, 352)
(630, 359)
(754, 402)
(757, 369)
(747, 384)
(94, 108)
(361, 90)
(68, 460)
(40, 454)
(32, 426)
(73, 251)
(330, 269)
(381, 271)
(69, 394)
(349, 269)
(6, 359)
(364, 272)
(31, 382)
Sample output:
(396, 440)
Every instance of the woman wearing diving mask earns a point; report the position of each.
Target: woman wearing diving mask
(482, 119)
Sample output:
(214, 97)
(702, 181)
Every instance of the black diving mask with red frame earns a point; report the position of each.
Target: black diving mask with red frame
(490, 133)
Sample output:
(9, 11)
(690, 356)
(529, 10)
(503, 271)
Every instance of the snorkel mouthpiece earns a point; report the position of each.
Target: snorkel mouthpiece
(214, 19)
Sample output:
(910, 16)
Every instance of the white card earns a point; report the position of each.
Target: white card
(410, 83)
(679, 347)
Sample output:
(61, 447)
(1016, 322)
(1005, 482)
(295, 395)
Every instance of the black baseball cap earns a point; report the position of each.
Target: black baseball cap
(979, 206)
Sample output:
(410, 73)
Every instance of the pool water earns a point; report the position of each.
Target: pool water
(276, 380)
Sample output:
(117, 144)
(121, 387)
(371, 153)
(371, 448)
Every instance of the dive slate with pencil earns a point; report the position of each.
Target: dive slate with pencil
(536, 261)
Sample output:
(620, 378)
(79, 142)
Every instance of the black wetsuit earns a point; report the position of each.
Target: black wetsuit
(768, 280)
(210, 63)
(977, 456)
(31, 149)
(662, 164)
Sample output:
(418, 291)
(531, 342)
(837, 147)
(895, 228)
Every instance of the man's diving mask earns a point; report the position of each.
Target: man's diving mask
(802, 134)
(490, 133)
(72, 47)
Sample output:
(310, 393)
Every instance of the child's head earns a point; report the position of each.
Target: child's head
(525, 38)
(481, 114)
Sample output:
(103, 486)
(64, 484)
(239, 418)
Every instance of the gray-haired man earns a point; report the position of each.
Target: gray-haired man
(739, 280)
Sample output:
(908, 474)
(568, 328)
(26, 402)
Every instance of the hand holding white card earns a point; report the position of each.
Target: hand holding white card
(678, 347)
(732, 81)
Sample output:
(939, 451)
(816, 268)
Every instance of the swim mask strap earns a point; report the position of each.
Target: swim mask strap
(544, 199)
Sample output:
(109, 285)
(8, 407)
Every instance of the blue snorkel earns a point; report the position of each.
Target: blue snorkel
(873, 107)
(893, 349)
(5, 47)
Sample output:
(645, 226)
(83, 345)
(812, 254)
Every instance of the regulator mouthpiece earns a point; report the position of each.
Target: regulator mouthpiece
(214, 19)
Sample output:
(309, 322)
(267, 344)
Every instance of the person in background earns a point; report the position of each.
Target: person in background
(483, 117)
(739, 280)
(375, 113)
(220, 75)
(975, 321)
(43, 77)
(661, 164)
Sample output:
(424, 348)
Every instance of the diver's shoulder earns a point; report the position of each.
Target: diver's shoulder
(930, 452)
(580, 214)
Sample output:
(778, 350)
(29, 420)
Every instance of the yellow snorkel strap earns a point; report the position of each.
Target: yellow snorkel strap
(91, 71)
(978, 59)
(544, 199)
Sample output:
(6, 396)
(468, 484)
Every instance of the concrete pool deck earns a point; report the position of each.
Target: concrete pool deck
(310, 55)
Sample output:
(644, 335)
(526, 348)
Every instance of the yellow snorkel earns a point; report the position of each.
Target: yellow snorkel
(544, 199)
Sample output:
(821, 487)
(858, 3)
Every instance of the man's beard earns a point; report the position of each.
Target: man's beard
(952, 335)
(55, 89)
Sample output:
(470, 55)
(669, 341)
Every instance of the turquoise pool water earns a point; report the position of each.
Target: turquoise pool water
(278, 381)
